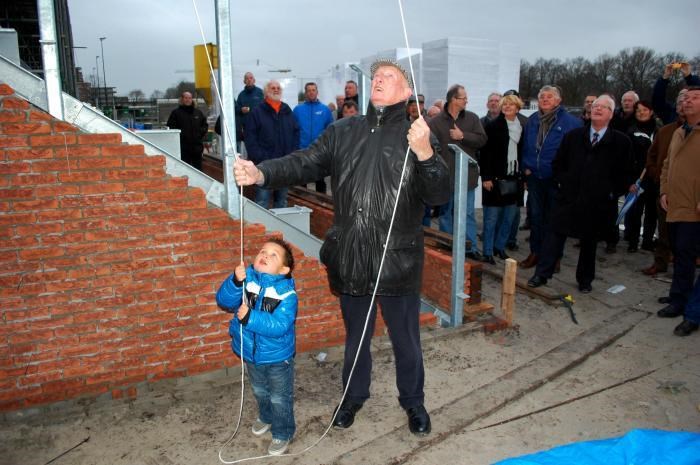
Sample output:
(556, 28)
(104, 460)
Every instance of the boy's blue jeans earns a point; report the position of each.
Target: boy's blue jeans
(273, 386)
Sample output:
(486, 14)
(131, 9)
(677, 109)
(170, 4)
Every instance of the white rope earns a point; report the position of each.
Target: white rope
(376, 284)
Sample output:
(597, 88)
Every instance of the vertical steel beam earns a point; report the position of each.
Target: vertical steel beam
(459, 235)
(228, 119)
(49, 52)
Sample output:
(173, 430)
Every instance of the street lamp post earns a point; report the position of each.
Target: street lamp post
(97, 76)
(104, 76)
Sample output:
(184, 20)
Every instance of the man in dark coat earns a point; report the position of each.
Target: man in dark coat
(591, 170)
(364, 155)
(250, 97)
(271, 132)
(193, 127)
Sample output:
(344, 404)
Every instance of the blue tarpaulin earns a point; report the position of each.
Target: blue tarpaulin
(638, 447)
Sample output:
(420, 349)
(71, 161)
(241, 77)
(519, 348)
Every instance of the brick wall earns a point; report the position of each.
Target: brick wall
(108, 267)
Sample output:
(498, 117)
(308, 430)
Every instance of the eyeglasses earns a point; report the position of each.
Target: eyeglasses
(461, 98)
(598, 105)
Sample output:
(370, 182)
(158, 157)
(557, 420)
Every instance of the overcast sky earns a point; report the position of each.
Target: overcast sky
(149, 42)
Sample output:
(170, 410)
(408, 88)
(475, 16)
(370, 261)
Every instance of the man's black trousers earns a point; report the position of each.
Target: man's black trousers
(401, 317)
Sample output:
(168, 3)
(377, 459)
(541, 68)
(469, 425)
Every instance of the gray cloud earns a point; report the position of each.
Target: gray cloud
(149, 40)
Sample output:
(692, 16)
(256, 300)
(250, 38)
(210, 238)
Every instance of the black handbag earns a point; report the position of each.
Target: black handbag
(507, 186)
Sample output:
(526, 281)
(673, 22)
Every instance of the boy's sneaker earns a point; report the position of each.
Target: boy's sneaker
(278, 447)
(259, 427)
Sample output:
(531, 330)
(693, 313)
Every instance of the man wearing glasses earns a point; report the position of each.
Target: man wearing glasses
(591, 169)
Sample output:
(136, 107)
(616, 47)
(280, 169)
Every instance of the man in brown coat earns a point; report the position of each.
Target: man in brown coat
(457, 125)
(680, 197)
(655, 162)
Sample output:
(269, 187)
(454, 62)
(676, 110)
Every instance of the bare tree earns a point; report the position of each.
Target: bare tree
(156, 94)
(636, 69)
(136, 94)
(182, 86)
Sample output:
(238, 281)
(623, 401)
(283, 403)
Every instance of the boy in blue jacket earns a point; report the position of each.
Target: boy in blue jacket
(265, 305)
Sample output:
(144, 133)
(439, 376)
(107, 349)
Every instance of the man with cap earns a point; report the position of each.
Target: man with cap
(364, 157)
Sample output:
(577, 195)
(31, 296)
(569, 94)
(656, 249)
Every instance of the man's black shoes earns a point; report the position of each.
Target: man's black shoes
(537, 281)
(346, 414)
(585, 288)
(418, 420)
(669, 311)
(685, 328)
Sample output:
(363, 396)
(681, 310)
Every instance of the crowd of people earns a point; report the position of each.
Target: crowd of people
(574, 170)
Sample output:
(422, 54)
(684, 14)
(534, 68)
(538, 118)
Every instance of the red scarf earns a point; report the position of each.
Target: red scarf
(275, 104)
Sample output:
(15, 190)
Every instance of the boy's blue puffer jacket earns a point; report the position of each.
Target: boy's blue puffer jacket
(268, 329)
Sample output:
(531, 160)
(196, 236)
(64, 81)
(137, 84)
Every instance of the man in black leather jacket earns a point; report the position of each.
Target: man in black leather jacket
(364, 156)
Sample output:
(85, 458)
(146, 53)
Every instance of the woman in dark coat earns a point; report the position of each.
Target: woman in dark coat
(641, 133)
(499, 163)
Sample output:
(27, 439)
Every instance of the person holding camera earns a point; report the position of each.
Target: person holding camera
(663, 108)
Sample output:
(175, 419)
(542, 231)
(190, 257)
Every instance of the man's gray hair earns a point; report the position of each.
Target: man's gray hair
(494, 93)
(270, 82)
(634, 95)
(608, 99)
(552, 89)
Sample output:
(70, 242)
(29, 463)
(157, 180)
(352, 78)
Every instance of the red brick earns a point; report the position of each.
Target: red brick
(31, 336)
(26, 128)
(34, 229)
(80, 176)
(16, 193)
(56, 164)
(35, 179)
(12, 116)
(120, 150)
(125, 174)
(40, 253)
(35, 205)
(98, 139)
(39, 116)
(14, 167)
(104, 212)
(142, 162)
(5, 89)
(29, 154)
(58, 140)
(17, 218)
(61, 126)
(84, 225)
(146, 185)
(64, 214)
(15, 103)
(78, 151)
(57, 190)
(99, 163)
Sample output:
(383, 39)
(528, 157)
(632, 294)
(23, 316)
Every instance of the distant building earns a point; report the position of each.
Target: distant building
(23, 17)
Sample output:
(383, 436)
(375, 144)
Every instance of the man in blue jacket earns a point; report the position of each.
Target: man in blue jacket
(250, 97)
(271, 132)
(313, 118)
(543, 134)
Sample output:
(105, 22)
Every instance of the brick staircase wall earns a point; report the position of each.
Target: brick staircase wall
(109, 267)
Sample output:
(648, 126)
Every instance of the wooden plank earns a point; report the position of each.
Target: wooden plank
(508, 290)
